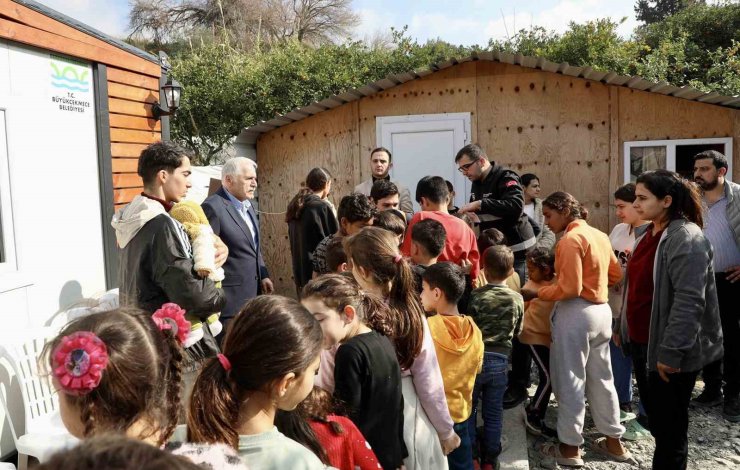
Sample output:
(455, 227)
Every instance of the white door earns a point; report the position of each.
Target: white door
(426, 145)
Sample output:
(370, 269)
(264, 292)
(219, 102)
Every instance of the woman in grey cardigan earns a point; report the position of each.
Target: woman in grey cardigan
(533, 208)
(672, 324)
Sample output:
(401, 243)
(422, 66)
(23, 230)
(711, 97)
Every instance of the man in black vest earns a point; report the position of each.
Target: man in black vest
(497, 201)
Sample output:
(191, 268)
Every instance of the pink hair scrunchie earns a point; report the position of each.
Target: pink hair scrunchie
(397, 259)
(225, 363)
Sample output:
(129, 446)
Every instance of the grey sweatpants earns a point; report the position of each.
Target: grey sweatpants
(581, 367)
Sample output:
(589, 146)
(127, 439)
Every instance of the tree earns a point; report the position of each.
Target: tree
(216, 102)
(594, 43)
(245, 23)
(653, 11)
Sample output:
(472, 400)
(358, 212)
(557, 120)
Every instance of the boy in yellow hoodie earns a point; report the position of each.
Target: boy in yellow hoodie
(459, 346)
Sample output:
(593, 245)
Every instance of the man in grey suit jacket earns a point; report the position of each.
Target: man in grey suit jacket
(381, 163)
(234, 219)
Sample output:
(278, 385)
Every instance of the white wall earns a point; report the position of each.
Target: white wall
(54, 190)
(53, 168)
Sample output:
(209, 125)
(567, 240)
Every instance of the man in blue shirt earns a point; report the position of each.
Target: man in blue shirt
(722, 229)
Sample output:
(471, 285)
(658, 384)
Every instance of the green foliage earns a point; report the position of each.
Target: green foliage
(653, 11)
(227, 89)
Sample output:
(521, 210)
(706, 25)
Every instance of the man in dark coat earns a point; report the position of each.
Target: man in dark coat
(233, 218)
(156, 263)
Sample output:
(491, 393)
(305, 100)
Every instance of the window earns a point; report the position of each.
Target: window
(674, 155)
(7, 239)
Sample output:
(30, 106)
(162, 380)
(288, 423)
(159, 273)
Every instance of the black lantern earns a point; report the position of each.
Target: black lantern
(171, 91)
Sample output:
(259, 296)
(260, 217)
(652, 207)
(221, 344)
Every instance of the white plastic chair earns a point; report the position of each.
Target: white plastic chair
(43, 433)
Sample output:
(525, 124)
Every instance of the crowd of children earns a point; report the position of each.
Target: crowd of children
(403, 336)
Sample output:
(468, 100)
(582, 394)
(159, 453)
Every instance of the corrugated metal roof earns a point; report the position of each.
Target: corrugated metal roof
(251, 134)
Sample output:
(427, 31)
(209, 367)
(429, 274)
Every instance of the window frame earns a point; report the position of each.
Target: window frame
(7, 226)
(671, 151)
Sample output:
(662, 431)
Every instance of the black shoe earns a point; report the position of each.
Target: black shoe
(536, 427)
(513, 397)
(731, 410)
(708, 398)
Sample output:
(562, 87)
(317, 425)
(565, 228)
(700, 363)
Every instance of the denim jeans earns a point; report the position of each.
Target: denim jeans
(490, 386)
(462, 457)
(622, 370)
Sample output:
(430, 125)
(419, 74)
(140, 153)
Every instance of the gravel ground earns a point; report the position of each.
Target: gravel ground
(714, 443)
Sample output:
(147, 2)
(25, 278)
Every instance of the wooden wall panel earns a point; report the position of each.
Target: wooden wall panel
(132, 108)
(527, 121)
(133, 79)
(33, 19)
(125, 165)
(452, 90)
(649, 116)
(285, 156)
(126, 150)
(132, 128)
(124, 121)
(35, 37)
(133, 136)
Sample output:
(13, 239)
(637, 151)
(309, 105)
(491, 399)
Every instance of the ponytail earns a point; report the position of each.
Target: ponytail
(254, 360)
(566, 204)
(214, 408)
(403, 298)
(316, 180)
(377, 315)
(174, 385)
(375, 250)
(685, 197)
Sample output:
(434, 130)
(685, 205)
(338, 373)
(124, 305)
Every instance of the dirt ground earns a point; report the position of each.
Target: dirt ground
(714, 443)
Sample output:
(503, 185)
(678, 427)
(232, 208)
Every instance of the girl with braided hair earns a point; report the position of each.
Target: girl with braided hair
(366, 375)
(120, 372)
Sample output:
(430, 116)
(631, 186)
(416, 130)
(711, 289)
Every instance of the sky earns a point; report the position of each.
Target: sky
(465, 22)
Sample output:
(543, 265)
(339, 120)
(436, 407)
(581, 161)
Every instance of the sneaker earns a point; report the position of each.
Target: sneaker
(708, 398)
(536, 427)
(731, 410)
(625, 416)
(513, 398)
(643, 421)
(635, 432)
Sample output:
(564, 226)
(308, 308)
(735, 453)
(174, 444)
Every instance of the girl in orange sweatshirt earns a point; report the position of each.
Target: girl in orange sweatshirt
(581, 328)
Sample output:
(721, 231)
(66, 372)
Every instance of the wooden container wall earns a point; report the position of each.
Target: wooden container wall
(133, 84)
(569, 131)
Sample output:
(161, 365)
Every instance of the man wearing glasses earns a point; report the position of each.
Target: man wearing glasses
(497, 200)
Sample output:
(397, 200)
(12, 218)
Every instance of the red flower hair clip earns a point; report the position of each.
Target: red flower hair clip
(171, 317)
(79, 361)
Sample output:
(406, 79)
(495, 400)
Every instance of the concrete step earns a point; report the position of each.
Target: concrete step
(515, 455)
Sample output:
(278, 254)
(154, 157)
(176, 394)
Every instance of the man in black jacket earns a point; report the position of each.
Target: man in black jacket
(497, 200)
(156, 263)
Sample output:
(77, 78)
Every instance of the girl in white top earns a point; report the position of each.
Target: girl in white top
(270, 356)
(380, 269)
(622, 239)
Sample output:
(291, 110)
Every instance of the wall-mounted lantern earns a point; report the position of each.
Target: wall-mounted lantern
(171, 91)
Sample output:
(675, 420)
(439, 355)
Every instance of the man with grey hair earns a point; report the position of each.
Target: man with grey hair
(234, 219)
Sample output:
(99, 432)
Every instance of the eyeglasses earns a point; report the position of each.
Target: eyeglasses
(464, 168)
